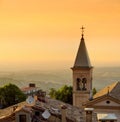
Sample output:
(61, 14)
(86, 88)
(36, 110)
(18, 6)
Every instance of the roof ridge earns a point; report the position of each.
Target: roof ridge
(101, 98)
(105, 90)
(116, 83)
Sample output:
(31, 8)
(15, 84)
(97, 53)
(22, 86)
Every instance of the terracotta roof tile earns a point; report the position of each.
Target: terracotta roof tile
(112, 89)
(24, 89)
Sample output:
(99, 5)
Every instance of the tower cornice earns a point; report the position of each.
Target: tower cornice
(78, 68)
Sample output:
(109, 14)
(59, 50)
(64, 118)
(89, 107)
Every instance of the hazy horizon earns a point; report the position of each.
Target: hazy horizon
(46, 79)
(51, 69)
(46, 34)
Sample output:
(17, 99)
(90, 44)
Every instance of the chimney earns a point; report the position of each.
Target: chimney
(89, 112)
(63, 112)
(32, 85)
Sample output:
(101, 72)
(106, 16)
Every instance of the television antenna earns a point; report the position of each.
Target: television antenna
(30, 100)
(46, 114)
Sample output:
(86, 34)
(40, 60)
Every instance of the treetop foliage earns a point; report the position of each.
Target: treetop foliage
(10, 94)
(63, 94)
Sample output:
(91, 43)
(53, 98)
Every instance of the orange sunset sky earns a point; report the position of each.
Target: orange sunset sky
(45, 34)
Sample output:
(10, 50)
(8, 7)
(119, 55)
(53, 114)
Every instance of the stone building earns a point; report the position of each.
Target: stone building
(106, 103)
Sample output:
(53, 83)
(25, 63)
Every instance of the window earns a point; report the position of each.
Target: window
(37, 113)
(22, 118)
(81, 84)
(108, 102)
(84, 81)
(78, 83)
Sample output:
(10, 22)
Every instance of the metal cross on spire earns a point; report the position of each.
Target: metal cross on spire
(82, 28)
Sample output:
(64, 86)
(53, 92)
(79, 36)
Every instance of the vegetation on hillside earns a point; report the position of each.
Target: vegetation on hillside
(10, 94)
(65, 93)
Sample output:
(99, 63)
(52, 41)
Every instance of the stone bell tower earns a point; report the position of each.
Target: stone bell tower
(82, 75)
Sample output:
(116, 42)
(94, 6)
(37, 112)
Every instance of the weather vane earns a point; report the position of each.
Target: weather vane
(82, 28)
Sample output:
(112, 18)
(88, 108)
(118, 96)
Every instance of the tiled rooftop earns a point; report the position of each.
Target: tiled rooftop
(112, 89)
(25, 89)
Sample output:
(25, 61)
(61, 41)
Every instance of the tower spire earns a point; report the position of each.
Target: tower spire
(82, 59)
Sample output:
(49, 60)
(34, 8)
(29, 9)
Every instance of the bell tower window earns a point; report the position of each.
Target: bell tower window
(78, 84)
(84, 81)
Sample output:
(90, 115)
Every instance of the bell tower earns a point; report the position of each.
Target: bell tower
(82, 75)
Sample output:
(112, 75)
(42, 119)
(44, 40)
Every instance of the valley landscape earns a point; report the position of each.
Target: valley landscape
(57, 78)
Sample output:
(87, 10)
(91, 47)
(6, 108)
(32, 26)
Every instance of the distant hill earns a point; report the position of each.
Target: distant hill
(57, 78)
(104, 76)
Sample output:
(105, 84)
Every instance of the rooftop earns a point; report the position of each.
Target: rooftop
(73, 113)
(113, 90)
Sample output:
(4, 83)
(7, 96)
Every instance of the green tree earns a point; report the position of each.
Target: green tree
(52, 93)
(10, 94)
(2, 98)
(64, 94)
(94, 91)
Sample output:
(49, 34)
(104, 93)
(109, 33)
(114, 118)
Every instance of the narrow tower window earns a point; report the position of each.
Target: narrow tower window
(78, 84)
(84, 81)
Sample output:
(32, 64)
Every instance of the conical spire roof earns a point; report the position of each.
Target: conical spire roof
(82, 59)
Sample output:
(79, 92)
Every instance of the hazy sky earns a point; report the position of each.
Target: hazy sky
(45, 34)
